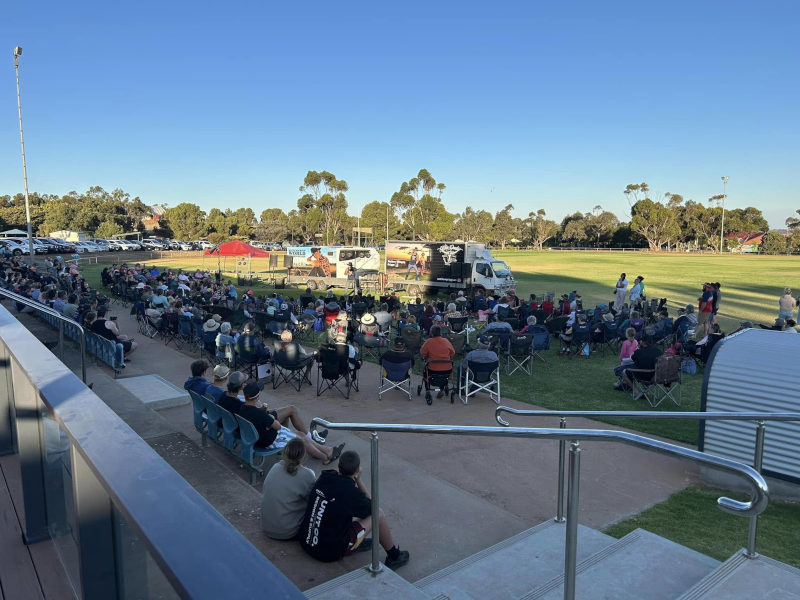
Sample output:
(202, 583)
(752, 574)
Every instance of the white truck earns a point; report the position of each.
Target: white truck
(417, 267)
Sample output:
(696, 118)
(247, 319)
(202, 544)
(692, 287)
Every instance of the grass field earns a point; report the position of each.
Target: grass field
(751, 286)
(703, 527)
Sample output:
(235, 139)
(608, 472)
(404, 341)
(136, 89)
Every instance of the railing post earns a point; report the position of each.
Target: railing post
(7, 443)
(30, 442)
(61, 340)
(95, 535)
(375, 566)
(758, 459)
(83, 355)
(571, 536)
(562, 454)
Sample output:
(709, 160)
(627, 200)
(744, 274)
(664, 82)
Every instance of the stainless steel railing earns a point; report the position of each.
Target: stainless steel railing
(758, 451)
(755, 482)
(61, 321)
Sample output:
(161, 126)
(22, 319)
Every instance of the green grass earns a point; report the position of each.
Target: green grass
(751, 286)
(690, 518)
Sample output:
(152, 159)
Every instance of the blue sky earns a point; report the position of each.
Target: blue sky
(554, 105)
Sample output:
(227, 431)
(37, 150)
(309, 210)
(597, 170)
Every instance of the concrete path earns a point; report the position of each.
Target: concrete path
(446, 497)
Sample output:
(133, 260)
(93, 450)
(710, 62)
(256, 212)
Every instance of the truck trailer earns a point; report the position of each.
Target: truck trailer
(419, 267)
(322, 267)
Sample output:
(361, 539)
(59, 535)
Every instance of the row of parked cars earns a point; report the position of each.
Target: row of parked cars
(44, 245)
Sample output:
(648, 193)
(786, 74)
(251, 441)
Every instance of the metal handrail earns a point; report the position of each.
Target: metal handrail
(758, 452)
(636, 414)
(759, 493)
(61, 318)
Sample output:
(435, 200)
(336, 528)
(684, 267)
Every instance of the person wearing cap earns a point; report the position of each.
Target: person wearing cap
(218, 388)
(786, 304)
(481, 354)
(273, 426)
(197, 382)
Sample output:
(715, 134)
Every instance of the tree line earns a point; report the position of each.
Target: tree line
(415, 211)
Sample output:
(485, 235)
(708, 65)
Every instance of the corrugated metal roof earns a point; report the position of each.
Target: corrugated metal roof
(755, 370)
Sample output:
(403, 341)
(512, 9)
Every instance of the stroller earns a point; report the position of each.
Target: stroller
(437, 374)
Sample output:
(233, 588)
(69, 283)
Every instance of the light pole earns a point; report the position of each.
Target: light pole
(722, 225)
(17, 54)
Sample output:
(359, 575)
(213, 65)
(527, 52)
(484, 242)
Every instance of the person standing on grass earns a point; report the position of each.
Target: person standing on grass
(621, 289)
(786, 304)
(706, 308)
(716, 298)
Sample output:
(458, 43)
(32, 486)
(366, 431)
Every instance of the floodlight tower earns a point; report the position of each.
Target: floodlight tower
(17, 54)
(722, 225)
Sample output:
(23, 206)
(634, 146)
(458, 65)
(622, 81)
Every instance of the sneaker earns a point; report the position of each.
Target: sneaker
(398, 561)
(319, 437)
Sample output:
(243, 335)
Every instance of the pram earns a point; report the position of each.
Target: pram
(437, 374)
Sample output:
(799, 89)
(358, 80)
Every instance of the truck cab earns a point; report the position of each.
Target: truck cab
(488, 272)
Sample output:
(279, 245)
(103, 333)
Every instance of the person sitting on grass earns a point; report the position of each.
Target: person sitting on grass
(284, 497)
(339, 517)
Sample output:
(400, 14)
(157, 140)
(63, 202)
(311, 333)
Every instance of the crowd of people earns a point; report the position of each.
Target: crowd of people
(330, 515)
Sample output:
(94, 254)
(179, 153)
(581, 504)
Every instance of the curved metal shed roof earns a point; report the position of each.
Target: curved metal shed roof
(754, 370)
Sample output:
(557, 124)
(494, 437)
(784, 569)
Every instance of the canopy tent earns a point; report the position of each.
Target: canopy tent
(236, 248)
(13, 233)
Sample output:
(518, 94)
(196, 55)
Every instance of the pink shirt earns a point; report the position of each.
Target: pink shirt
(628, 348)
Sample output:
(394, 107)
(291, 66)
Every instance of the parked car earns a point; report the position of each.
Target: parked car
(38, 248)
(113, 245)
(183, 245)
(65, 245)
(205, 245)
(14, 248)
(151, 245)
(101, 243)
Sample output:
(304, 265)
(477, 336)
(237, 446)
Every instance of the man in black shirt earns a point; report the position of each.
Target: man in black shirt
(271, 425)
(645, 359)
(339, 517)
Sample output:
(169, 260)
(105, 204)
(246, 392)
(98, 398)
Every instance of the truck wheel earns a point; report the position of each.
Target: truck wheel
(311, 284)
(413, 290)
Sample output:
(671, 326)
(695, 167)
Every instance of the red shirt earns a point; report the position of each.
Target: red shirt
(437, 348)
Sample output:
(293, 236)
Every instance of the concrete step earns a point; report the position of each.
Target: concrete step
(362, 585)
(640, 565)
(744, 578)
(513, 567)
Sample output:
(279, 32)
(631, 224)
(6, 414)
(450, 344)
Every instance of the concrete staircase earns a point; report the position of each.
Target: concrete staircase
(529, 566)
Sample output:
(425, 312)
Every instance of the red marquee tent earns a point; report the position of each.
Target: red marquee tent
(236, 248)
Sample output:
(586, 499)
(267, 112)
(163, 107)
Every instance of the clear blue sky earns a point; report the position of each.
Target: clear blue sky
(554, 105)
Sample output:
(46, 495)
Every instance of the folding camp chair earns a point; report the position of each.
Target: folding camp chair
(412, 338)
(289, 366)
(369, 345)
(541, 341)
(185, 329)
(479, 377)
(520, 353)
(394, 376)
(333, 370)
(581, 336)
(143, 322)
(610, 338)
(171, 330)
(305, 327)
(458, 340)
(656, 385)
